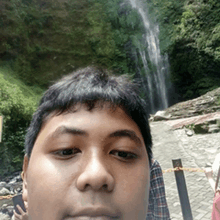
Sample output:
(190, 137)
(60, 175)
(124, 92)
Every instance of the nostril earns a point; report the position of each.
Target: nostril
(105, 186)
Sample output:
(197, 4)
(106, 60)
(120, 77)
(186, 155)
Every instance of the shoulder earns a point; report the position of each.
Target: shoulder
(156, 176)
(155, 167)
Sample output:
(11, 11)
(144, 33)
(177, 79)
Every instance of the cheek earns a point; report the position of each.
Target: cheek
(134, 192)
(45, 178)
(48, 186)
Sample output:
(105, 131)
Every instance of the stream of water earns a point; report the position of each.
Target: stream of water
(156, 78)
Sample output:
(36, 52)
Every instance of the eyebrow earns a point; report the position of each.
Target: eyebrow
(68, 130)
(126, 133)
(76, 131)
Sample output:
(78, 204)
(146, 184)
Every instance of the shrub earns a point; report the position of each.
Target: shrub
(17, 111)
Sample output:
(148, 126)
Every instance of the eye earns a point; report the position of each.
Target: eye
(125, 155)
(67, 153)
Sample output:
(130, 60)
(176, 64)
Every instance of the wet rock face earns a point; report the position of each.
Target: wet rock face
(11, 185)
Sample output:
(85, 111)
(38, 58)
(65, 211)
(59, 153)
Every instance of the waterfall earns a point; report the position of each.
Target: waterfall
(156, 78)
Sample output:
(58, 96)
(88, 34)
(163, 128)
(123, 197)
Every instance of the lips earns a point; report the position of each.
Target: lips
(90, 218)
(94, 213)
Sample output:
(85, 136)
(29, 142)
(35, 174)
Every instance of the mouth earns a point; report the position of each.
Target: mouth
(91, 213)
(90, 218)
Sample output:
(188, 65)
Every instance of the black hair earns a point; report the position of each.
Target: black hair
(89, 86)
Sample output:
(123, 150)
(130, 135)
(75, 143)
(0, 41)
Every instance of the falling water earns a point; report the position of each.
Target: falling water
(157, 79)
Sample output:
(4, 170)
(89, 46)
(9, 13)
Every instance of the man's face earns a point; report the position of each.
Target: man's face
(88, 165)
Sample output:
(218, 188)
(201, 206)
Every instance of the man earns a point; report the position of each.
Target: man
(157, 207)
(88, 150)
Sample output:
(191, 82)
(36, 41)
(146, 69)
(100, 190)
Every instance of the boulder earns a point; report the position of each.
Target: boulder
(4, 216)
(2, 184)
(189, 132)
(4, 192)
(159, 116)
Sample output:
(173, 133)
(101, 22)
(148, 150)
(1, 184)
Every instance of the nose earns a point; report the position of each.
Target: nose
(95, 175)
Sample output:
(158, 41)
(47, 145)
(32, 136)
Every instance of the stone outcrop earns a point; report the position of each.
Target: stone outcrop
(208, 103)
(208, 123)
(200, 115)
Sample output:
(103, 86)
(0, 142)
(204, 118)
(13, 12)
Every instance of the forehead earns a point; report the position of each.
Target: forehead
(100, 117)
(85, 107)
(98, 112)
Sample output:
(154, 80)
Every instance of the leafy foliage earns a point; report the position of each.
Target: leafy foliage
(43, 40)
(47, 39)
(17, 111)
(190, 33)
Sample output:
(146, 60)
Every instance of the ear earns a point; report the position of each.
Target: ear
(24, 177)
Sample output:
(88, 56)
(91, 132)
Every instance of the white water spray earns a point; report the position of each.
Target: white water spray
(156, 81)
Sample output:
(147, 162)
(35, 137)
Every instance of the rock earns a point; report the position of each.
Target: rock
(161, 115)
(4, 216)
(213, 128)
(19, 190)
(189, 132)
(207, 103)
(10, 210)
(12, 185)
(12, 181)
(2, 184)
(15, 175)
(151, 118)
(208, 165)
(4, 206)
(4, 192)
(12, 192)
(7, 210)
(16, 179)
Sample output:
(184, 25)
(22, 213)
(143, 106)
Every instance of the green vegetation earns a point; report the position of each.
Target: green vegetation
(35, 92)
(17, 104)
(190, 34)
(45, 40)
(41, 40)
